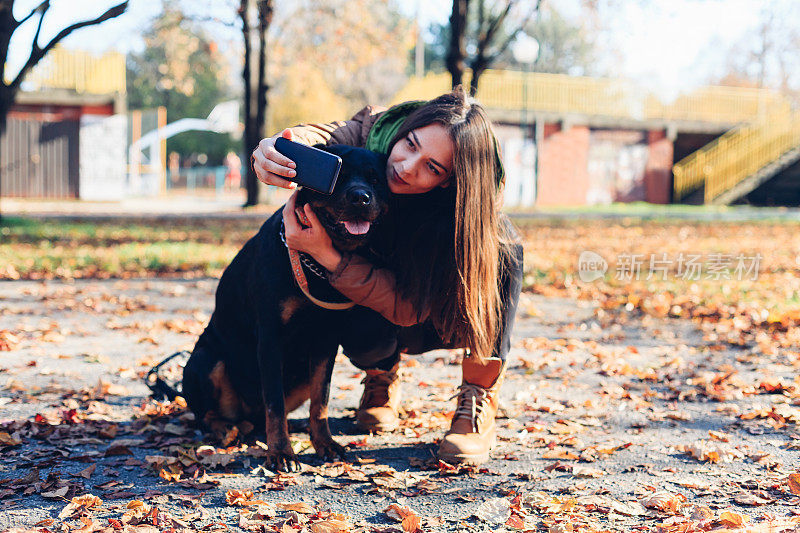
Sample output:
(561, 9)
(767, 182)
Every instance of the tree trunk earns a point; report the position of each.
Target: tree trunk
(479, 66)
(265, 9)
(7, 95)
(255, 97)
(457, 49)
(250, 137)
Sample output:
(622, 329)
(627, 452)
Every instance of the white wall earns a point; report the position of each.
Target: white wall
(103, 157)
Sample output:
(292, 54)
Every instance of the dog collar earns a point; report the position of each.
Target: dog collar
(296, 260)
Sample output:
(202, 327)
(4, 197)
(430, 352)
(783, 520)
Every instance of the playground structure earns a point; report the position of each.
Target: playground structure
(147, 169)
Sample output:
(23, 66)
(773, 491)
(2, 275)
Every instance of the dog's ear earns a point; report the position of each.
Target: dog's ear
(342, 150)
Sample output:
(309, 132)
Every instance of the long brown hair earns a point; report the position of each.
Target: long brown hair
(458, 283)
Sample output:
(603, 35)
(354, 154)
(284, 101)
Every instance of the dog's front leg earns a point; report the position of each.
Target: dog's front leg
(280, 455)
(324, 445)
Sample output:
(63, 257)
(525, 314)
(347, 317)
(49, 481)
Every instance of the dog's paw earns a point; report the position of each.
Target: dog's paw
(282, 459)
(329, 450)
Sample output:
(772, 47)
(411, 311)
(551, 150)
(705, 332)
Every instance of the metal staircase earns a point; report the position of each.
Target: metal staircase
(741, 160)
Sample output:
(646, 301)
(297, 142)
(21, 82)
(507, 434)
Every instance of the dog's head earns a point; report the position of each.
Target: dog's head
(357, 202)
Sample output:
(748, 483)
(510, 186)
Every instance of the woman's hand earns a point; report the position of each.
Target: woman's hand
(309, 237)
(270, 165)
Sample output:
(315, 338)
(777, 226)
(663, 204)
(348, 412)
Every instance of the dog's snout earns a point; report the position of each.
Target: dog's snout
(359, 197)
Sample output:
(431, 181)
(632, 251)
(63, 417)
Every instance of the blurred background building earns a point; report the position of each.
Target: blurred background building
(103, 126)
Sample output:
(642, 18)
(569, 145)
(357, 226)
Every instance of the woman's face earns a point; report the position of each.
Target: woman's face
(420, 162)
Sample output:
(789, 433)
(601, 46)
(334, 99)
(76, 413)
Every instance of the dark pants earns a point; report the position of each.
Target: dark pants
(420, 338)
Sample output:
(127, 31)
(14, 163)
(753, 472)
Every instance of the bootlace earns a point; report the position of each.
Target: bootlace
(376, 387)
(472, 401)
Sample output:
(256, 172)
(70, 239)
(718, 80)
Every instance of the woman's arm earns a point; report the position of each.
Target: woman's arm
(376, 288)
(352, 275)
(272, 167)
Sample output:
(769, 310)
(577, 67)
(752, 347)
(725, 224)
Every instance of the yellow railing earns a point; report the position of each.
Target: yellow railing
(80, 71)
(735, 156)
(558, 93)
(721, 104)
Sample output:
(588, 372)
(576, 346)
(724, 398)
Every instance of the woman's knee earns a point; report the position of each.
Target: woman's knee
(379, 354)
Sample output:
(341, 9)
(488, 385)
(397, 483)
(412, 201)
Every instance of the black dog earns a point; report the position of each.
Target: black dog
(267, 347)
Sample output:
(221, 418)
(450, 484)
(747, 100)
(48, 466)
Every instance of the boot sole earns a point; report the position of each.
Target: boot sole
(469, 459)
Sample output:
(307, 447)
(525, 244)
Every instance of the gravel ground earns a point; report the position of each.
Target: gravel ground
(599, 412)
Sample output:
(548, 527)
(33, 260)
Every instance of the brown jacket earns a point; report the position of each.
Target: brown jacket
(355, 277)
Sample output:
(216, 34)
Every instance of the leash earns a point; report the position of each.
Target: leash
(296, 260)
(159, 387)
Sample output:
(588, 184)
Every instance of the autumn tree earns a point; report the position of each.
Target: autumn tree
(768, 55)
(361, 43)
(181, 69)
(313, 61)
(10, 24)
(490, 27)
(565, 47)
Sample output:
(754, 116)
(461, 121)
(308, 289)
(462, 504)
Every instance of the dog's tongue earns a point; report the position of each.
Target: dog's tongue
(356, 227)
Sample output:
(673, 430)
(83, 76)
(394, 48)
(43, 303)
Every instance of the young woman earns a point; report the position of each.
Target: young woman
(456, 273)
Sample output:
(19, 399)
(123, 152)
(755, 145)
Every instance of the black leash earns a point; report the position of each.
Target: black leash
(160, 388)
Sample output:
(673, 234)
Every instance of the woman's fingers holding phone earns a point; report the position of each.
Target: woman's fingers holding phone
(271, 166)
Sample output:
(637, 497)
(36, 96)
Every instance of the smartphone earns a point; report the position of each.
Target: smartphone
(316, 169)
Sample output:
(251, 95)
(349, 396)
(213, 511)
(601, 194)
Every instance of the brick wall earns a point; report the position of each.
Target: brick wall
(563, 173)
(564, 166)
(658, 173)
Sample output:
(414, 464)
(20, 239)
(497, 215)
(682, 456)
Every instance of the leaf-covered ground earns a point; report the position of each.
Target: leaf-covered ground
(664, 405)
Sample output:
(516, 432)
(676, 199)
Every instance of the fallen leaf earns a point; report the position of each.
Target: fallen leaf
(794, 483)
(238, 497)
(494, 511)
(586, 471)
(78, 504)
(8, 440)
(749, 498)
(408, 518)
(732, 519)
(87, 472)
(560, 453)
(331, 525)
(664, 502)
(56, 494)
(712, 452)
(299, 507)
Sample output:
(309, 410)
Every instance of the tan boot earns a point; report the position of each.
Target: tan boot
(380, 402)
(472, 432)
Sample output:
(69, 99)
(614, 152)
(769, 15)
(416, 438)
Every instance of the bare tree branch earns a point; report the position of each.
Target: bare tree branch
(44, 6)
(494, 24)
(215, 20)
(484, 58)
(35, 45)
(38, 53)
(513, 35)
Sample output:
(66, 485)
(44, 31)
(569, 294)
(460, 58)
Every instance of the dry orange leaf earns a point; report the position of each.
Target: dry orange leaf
(8, 440)
(411, 524)
(794, 483)
(408, 518)
(299, 507)
(331, 525)
(78, 504)
(732, 519)
(238, 497)
(560, 453)
(664, 501)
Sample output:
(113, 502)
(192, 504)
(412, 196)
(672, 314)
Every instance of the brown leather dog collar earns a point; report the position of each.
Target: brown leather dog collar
(302, 281)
